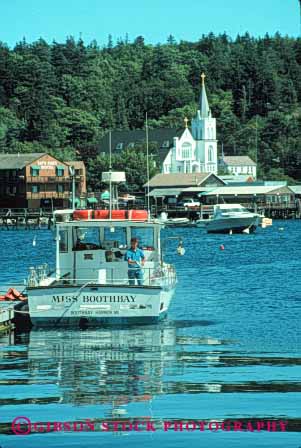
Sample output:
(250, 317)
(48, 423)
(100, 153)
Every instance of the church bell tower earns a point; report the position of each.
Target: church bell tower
(204, 133)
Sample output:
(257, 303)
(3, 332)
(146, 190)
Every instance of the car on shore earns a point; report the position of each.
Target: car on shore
(188, 202)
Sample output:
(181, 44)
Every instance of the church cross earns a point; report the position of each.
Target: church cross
(203, 76)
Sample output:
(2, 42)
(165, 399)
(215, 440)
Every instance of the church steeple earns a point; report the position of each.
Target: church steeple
(203, 103)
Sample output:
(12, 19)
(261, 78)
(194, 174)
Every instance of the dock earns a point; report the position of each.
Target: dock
(22, 218)
(7, 315)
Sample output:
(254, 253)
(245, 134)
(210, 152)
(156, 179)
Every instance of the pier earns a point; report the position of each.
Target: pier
(269, 210)
(26, 219)
(23, 218)
(7, 315)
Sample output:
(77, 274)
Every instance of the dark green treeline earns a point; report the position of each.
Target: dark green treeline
(61, 98)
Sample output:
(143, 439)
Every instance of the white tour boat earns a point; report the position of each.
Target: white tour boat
(90, 284)
(231, 218)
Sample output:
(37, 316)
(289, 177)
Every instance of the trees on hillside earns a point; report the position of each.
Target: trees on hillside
(62, 97)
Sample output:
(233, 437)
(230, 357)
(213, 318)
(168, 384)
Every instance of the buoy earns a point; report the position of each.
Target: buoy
(180, 250)
(281, 228)
(34, 241)
(222, 247)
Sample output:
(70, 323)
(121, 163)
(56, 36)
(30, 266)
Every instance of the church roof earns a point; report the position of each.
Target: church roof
(121, 140)
(238, 160)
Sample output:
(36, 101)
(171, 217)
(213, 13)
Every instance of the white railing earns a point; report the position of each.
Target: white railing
(162, 275)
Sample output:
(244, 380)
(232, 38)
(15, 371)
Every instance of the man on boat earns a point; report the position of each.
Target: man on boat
(135, 258)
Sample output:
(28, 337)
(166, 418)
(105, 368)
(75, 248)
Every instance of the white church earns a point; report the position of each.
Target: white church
(195, 151)
(183, 151)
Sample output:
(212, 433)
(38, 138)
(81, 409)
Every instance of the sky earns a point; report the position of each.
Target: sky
(152, 19)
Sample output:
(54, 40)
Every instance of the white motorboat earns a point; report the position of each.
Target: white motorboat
(174, 222)
(232, 218)
(90, 284)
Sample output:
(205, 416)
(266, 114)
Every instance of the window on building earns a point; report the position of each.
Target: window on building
(35, 188)
(60, 188)
(131, 145)
(35, 170)
(119, 146)
(60, 170)
(165, 144)
(186, 151)
(210, 154)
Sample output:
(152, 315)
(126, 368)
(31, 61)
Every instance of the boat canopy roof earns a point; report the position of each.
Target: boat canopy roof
(110, 223)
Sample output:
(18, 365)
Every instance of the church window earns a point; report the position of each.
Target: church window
(186, 151)
(210, 154)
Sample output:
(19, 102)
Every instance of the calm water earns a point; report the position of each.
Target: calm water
(230, 350)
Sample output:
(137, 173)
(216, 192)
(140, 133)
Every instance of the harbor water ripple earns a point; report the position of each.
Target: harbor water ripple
(228, 352)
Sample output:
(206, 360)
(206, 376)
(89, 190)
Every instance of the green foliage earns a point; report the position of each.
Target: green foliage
(132, 161)
(61, 98)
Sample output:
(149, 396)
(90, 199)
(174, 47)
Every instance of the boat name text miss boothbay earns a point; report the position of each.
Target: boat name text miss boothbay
(91, 299)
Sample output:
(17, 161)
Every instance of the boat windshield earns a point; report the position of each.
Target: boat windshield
(63, 239)
(234, 210)
(118, 234)
(145, 236)
(86, 238)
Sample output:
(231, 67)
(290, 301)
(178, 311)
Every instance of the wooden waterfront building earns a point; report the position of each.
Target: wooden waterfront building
(38, 180)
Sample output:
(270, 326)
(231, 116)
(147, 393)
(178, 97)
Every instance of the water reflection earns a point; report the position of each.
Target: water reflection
(134, 364)
(103, 365)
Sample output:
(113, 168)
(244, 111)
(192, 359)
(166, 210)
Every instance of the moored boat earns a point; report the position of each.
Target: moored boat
(91, 284)
(174, 222)
(232, 218)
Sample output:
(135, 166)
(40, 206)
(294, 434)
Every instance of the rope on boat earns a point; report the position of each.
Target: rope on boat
(76, 297)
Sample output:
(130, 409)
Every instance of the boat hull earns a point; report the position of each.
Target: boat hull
(236, 225)
(74, 306)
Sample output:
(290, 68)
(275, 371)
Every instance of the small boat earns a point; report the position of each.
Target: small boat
(232, 218)
(90, 285)
(174, 222)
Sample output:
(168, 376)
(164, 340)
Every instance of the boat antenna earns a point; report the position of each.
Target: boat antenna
(300, 15)
(110, 172)
(147, 166)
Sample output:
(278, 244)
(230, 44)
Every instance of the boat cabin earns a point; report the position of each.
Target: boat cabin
(226, 209)
(93, 250)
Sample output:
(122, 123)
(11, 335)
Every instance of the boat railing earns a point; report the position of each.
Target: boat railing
(162, 275)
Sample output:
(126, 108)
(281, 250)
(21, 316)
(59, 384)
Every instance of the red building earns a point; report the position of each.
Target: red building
(38, 180)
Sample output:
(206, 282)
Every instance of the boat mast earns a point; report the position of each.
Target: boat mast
(110, 173)
(147, 167)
